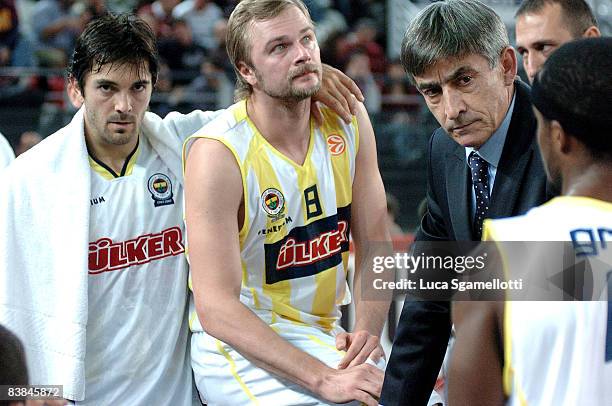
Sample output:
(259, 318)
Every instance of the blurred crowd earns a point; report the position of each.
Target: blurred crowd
(37, 39)
(196, 72)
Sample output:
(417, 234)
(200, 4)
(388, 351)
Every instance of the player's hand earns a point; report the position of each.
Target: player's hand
(362, 383)
(339, 93)
(359, 346)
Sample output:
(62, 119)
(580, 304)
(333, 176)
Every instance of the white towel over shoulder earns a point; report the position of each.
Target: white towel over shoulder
(44, 232)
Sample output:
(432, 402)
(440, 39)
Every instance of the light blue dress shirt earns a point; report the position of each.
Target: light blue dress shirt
(491, 152)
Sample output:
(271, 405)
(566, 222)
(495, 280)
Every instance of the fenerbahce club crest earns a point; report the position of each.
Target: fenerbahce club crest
(273, 203)
(161, 189)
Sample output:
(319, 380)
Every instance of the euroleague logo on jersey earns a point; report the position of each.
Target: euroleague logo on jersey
(273, 203)
(336, 144)
(160, 187)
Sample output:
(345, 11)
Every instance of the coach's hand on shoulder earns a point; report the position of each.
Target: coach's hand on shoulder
(339, 93)
(359, 346)
(362, 383)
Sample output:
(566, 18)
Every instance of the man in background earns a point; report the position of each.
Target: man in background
(544, 25)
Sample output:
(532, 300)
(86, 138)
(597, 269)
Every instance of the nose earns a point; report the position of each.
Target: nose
(123, 102)
(302, 53)
(532, 65)
(453, 104)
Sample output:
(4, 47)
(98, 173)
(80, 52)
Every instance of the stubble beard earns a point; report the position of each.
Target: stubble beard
(121, 137)
(291, 93)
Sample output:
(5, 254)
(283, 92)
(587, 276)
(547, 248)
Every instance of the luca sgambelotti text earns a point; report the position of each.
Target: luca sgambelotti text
(409, 265)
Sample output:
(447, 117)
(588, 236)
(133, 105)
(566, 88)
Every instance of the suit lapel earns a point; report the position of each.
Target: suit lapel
(507, 186)
(457, 186)
(518, 152)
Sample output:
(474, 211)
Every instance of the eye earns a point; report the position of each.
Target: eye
(140, 87)
(430, 92)
(105, 88)
(279, 48)
(465, 80)
(548, 49)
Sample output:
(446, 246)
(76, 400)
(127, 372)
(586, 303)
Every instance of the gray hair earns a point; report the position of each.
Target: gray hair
(452, 29)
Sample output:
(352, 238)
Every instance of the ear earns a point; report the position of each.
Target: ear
(509, 65)
(561, 141)
(74, 93)
(591, 32)
(247, 73)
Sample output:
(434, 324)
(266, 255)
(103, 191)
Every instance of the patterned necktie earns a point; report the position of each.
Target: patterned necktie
(480, 180)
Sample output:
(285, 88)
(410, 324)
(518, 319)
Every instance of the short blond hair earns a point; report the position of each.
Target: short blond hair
(238, 39)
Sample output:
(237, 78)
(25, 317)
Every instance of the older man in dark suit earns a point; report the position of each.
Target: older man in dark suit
(482, 163)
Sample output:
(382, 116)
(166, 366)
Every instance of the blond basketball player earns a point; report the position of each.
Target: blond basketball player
(93, 278)
(553, 353)
(271, 200)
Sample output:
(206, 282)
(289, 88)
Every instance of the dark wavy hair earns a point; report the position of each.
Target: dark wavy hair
(114, 39)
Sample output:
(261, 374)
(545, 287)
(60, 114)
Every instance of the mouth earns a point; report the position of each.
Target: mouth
(302, 75)
(461, 128)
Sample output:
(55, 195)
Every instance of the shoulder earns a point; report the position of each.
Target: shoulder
(440, 144)
(230, 127)
(440, 139)
(226, 122)
(522, 105)
(526, 226)
(329, 116)
(358, 131)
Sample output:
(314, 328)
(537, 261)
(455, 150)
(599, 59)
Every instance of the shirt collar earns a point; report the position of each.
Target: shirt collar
(492, 149)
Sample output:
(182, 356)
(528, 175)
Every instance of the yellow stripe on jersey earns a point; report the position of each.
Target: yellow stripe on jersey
(307, 179)
(340, 162)
(508, 373)
(489, 234)
(325, 300)
(579, 201)
(193, 138)
(324, 344)
(106, 174)
(235, 372)
(279, 292)
(293, 264)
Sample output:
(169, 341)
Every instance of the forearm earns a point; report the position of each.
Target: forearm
(371, 315)
(371, 305)
(233, 323)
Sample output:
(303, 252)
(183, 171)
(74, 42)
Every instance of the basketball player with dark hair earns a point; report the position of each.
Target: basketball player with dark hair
(552, 353)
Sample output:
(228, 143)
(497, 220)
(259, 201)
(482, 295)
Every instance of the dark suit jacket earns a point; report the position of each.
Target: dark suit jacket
(520, 183)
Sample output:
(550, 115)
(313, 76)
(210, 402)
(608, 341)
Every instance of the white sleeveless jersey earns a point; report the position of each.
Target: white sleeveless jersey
(137, 291)
(559, 353)
(295, 237)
